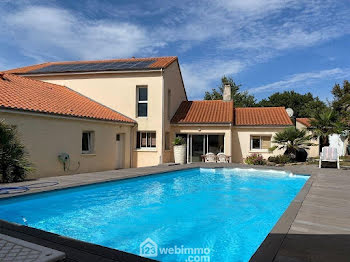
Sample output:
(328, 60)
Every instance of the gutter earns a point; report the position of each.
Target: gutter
(202, 124)
(262, 126)
(61, 116)
(162, 133)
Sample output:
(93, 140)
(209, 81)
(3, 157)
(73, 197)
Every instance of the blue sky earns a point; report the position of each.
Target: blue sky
(265, 45)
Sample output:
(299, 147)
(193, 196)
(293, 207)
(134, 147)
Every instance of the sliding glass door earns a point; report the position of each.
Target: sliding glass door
(198, 145)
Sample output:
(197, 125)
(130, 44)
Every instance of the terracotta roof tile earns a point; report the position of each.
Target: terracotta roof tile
(262, 116)
(304, 121)
(26, 94)
(160, 62)
(204, 112)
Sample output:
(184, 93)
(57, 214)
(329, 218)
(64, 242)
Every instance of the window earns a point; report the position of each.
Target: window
(117, 137)
(146, 140)
(260, 142)
(142, 101)
(87, 142)
(167, 141)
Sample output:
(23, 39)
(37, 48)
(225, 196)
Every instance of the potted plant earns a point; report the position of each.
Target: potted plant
(179, 150)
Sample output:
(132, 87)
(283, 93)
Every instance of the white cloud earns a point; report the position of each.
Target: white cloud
(238, 34)
(42, 32)
(200, 75)
(253, 6)
(258, 25)
(303, 79)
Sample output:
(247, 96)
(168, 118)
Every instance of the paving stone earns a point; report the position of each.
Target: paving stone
(18, 250)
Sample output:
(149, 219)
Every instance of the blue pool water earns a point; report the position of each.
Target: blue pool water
(229, 211)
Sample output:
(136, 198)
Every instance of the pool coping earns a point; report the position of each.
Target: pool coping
(269, 248)
(266, 251)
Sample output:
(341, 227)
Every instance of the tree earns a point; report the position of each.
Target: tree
(14, 165)
(303, 105)
(241, 99)
(325, 123)
(341, 102)
(292, 140)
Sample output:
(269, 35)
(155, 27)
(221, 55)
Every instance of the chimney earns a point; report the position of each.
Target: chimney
(227, 93)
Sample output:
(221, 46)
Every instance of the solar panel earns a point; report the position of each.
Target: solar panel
(93, 67)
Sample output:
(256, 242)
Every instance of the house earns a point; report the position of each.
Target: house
(53, 121)
(148, 90)
(217, 126)
(304, 123)
(337, 141)
(148, 101)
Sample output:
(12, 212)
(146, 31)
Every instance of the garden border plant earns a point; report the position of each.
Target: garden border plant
(14, 163)
(255, 159)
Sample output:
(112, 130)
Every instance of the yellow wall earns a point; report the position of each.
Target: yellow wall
(204, 130)
(241, 142)
(314, 150)
(118, 91)
(172, 82)
(45, 137)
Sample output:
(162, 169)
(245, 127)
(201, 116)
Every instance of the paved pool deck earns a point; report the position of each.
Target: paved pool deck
(315, 227)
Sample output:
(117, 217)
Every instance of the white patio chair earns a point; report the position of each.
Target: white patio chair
(329, 154)
(210, 158)
(222, 158)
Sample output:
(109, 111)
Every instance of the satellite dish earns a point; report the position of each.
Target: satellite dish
(290, 112)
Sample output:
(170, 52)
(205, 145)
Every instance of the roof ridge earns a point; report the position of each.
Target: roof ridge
(218, 100)
(111, 59)
(161, 62)
(252, 107)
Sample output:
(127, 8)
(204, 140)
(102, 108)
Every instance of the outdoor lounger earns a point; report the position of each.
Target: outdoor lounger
(329, 154)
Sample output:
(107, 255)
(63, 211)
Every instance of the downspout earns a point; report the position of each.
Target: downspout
(162, 133)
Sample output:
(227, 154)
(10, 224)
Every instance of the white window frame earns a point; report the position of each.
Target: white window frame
(260, 137)
(91, 137)
(148, 134)
(141, 101)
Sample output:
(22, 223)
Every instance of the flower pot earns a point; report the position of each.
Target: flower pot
(180, 154)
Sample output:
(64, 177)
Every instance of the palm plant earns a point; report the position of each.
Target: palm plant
(325, 123)
(14, 164)
(291, 140)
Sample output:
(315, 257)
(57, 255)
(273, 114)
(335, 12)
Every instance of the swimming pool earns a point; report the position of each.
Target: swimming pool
(221, 214)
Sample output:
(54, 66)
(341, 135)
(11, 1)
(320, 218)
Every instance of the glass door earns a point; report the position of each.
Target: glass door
(215, 144)
(198, 146)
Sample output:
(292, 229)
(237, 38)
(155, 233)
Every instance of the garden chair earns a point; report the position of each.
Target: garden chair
(222, 158)
(329, 154)
(210, 158)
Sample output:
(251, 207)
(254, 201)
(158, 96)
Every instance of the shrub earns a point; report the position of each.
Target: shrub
(14, 164)
(178, 141)
(292, 140)
(280, 159)
(255, 159)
